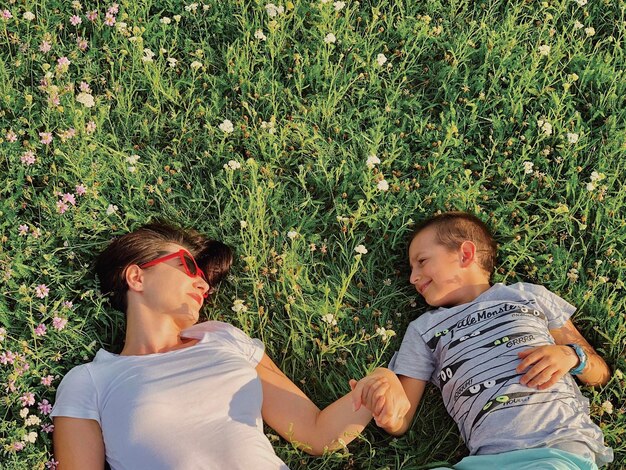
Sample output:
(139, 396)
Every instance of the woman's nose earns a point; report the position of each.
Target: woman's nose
(201, 284)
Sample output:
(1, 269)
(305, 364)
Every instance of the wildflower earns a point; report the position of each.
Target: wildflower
(148, 55)
(28, 158)
(387, 282)
(51, 464)
(31, 437)
(590, 31)
(360, 249)
(48, 428)
(67, 134)
(330, 38)
(383, 185)
(82, 44)
(33, 420)
(86, 100)
(84, 87)
(44, 407)
(76, 5)
(581, 3)
(47, 381)
(90, 128)
(578, 25)
(243, 224)
(75, 20)
(80, 189)
(545, 126)
(16, 446)
(239, 306)
(195, 65)
(572, 275)
(112, 209)
(258, 34)
(69, 197)
(45, 46)
(11, 136)
(109, 19)
(292, 234)
(63, 61)
(192, 7)
(6, 15)
(381, 59)
(273, 10)
(133, 159)
(384, 333)
(339, 5)
(572, 138)
(24, 413)
(40, 330)
(113, 9)
(3, 333)
(544, 50)
(165, 20)
(28, 16)
(27, 399)
(171, 62)
(232, 165)
(177, 18)
(226, 126)
(42, 291)
(92, 15)
(62, 207)
(372, 161)
(329, 319)
(528, 167)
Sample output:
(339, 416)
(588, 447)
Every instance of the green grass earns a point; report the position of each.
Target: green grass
(453, 114)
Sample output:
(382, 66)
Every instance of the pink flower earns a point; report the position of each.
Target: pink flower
(40, 330)
(82, 44)
(67, 134)
(45, 46)
(113, 9)
(69, 197)
(44, 407)
(42, 291)
(11, 136)
(63, 61)
(6, 15)
(46, 137)
(23, 230)
(92, 15)
(61, 207)
(7, 357)
(17, 446)
(28, 158)
(28, 399)
(59, 323)
(47, 380)
(36, 232)
(48, 428)
(80, 190)
(84, 86)
(75, 20)
(109, 19)
(90, 128)
(51, 464)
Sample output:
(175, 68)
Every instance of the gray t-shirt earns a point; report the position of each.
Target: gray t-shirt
(470, 353)
(193, 408)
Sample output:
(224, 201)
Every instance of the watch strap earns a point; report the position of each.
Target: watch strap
(582, 358)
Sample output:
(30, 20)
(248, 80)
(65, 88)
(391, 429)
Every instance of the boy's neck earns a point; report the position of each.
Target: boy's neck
(470, 292)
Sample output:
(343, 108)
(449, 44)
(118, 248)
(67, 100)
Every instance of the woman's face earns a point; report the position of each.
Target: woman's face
(169, 290)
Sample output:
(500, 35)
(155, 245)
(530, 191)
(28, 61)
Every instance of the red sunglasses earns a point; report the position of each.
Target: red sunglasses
(189, 264)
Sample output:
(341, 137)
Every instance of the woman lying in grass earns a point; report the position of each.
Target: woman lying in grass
(184, 395)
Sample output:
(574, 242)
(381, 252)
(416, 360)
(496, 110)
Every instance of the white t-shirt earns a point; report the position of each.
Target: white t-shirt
(193, 408)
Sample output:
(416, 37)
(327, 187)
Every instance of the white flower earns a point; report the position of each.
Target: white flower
(545, 126)
(148, 55)
(329, 319)
(590, 186)
(528, 167)
(268, 126)
(191, 7)
(372, 161)
(243, 224)
(24, 412)
(384, 333)
(330, 38)
(381, 59)
(578, 25)
(239, 306)
(33, 420)
(607, 407)
(112, 209)
(572, 137)
(86, 99)
(339, 5)
(28, 16)
(232, 165)
(177, 18)
(581, 3)
(590, 31)
(292, 234)
(3, 333)
(273, 10)
(226, 126)
(195, 65)
(360, 249)
(544, 50)
(133, 159)
(572, 275)
(165, 20)
(383, 185)
(30, 437)
(595, 176)
(258, 34)
(172, 62)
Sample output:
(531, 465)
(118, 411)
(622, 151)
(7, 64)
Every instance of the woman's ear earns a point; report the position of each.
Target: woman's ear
(134, 278)
(467, 252)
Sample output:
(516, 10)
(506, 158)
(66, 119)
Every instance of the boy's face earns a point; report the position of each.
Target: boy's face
(436, 271)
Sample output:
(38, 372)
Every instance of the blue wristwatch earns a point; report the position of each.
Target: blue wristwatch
(582, 358)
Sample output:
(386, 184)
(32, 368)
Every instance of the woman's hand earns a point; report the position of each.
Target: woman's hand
(545, 365)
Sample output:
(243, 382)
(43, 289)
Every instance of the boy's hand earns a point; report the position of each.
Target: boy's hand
(547, 365)
(383, 395)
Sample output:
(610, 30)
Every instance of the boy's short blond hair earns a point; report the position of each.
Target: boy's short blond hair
(453, 228)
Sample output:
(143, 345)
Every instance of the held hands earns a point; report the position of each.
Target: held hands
(383, 395)
(546, 365)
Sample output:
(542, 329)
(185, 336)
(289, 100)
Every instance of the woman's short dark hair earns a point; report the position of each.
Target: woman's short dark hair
(147, 243)
(455, 227)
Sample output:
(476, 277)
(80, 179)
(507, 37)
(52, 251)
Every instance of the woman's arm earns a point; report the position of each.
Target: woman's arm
(297, 419)
(78, 444)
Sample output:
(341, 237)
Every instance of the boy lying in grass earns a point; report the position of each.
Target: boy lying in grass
(502, 356)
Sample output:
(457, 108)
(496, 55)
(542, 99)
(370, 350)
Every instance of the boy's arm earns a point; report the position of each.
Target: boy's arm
(547, 364)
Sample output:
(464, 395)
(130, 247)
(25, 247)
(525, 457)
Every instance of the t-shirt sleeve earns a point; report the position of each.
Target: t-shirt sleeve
(557, 310)
(414, 359)
(77, 396)
(250, 348)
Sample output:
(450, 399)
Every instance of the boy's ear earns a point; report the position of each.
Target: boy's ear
(467, 253)
(134, 278)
